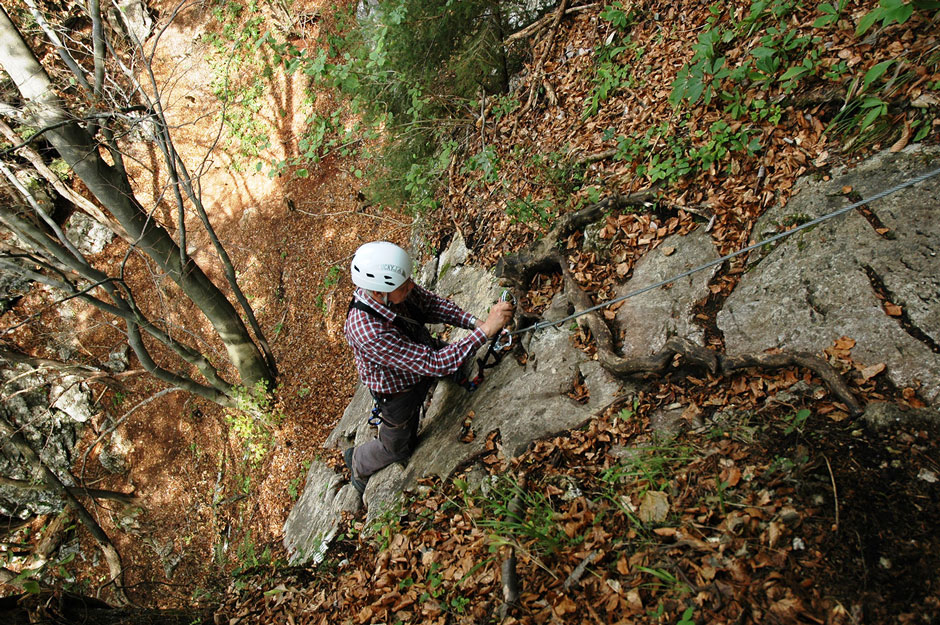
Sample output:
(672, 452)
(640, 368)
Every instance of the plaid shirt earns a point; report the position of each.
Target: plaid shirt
(387, 360)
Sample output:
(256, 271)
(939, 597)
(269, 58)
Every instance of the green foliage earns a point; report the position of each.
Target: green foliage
(504, 105)
(236, 56)
(331, 279)
(415, 68)
(687, 617)
(613, 70)
(628, 413)
(253, 420)
(780, 55)
(618, 15)
(665, 579)
(485, 162)
(893, 12)
(830, 13)
(667, 152)
(61, 169)
(293, 486)
(612, 73)
(526, 211)
(247, 555)
(535, 530)
(387, 523)
(797, 421)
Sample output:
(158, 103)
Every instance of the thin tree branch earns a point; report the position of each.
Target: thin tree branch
(82, 203)
(78, 491)
(60, 49)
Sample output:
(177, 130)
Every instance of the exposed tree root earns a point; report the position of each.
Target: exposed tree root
(544, 257)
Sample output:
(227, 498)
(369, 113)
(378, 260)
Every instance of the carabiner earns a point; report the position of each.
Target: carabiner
(375, 419)
(502, 341)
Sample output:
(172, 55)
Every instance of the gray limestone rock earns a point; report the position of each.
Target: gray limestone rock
(650, 319)
(827, 282)
(885, 415)
(455, 254)
(314, 520)
(53, 432)
(89, 236)
(70, 396)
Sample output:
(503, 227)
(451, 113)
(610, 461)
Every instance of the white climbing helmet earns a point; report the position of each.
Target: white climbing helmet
(380, 266)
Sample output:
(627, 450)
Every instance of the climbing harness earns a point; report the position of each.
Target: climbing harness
(809, 224)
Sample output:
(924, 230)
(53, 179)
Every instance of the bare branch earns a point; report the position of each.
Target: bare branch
(77, 491)
(88, 207)
(60, 49)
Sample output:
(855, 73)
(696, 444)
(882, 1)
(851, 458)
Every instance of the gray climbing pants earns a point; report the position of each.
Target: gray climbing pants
(398, 433)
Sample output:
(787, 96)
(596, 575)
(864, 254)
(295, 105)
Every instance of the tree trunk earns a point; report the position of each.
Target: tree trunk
(114, 191)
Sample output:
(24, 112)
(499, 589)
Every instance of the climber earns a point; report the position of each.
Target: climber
(395, 354)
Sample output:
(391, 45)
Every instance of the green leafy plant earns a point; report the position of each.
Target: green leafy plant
(890, 12)
(686, 618)
(535, 531)
(253, 420)
(618, 15)
(665, 579)
(240, 75)
(797, 421)
(525, 211)
(830, 13)
(293, 486)
(504, 105)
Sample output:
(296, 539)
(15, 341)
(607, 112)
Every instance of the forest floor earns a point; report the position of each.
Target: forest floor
(775, 516)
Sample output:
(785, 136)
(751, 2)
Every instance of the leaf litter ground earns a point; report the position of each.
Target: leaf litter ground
(768, 517)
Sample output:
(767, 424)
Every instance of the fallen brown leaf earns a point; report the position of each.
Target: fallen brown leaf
(901, 143)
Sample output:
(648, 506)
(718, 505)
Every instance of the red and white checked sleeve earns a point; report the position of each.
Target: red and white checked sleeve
(441, 310)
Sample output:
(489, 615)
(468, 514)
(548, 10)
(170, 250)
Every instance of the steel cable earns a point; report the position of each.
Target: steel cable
(809, 224)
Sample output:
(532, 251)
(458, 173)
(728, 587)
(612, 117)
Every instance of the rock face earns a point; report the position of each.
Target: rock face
(833, 280)
(648, 320)
(308, 531)
(523, 403)
(89, 236)
(50, 413)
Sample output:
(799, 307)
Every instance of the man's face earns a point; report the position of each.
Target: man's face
(401, 293)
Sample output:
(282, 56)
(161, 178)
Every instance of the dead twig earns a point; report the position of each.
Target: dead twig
(542, 22)
(538, 74)
(579, 570)
(835, 493)
(510, 579)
